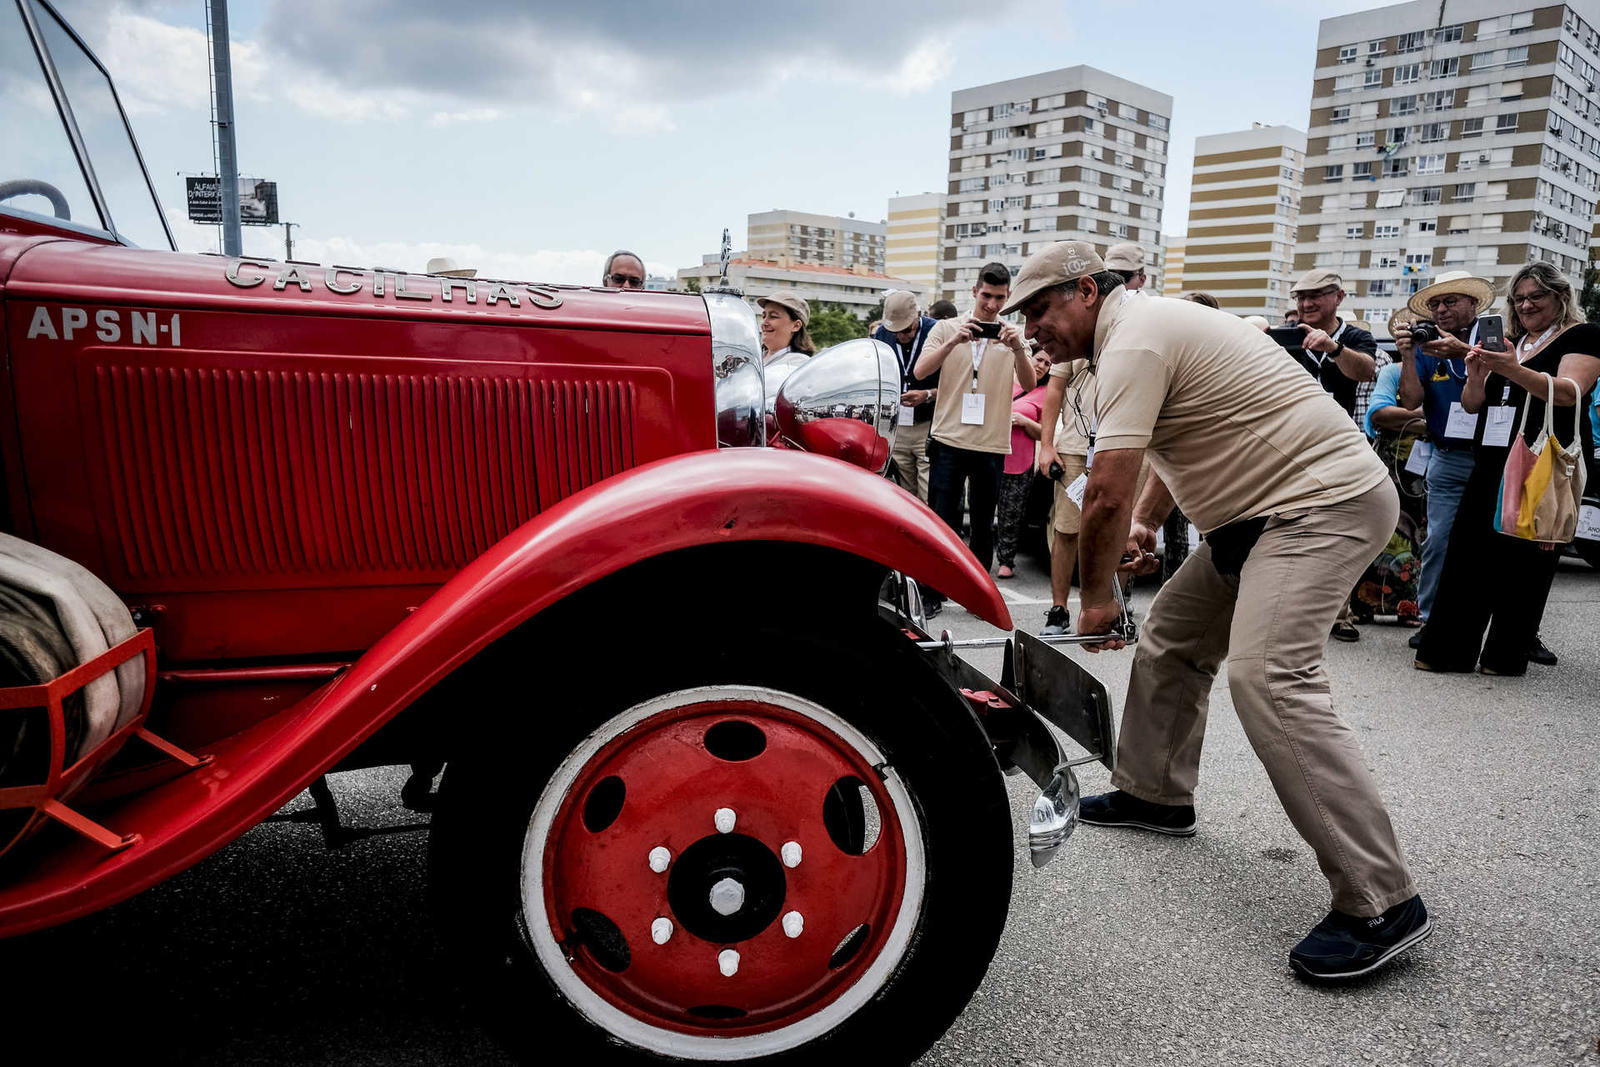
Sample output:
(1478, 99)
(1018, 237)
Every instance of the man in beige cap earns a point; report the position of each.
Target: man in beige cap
(1294, 506)
(1127, 260)
(1432, 378)
(445, 267)
(905, 329)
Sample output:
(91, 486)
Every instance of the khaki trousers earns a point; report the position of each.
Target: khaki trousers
(911, 457)
(1292, 584)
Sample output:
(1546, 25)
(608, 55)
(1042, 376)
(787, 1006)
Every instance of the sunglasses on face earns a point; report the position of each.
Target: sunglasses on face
(1439, 302)
(626, 281)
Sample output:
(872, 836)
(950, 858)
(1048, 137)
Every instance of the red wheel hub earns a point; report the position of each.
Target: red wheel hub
(691, 877)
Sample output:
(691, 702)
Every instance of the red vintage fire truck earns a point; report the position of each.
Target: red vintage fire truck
(263, 521)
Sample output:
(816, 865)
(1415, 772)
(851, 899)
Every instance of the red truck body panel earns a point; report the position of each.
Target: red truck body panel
(706, 498)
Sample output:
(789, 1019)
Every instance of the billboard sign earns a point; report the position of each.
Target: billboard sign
(258, 201)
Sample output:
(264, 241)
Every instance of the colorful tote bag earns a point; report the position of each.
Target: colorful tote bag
(1541, 487)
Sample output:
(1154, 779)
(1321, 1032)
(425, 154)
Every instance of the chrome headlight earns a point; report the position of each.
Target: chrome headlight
(736, 365)
(842, 402)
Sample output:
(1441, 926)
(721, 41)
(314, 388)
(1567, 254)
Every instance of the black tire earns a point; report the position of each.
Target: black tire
(1175, 544)
(871, 678)
(1589, 552)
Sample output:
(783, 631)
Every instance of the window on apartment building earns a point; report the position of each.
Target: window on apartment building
(1340, 114)
(1375, 48)
(1346, 83)
(1442, 100)
(969, 118)
(1429, 194)
(1158, 122)
(1047, 103)
(1045, 200)
(1505, 124)
(1334, 172)
(1453, 257)
(1088, 126)
(1403, 105)
(1094, 152)
(1155, 146)
(1362, 169)
(1053, 128)
(1118, 230)
(1042, 225)
(1386, 260)
(973, 185)
(1407, 73)
(970, 207)
(1355, 231)
(1368, 110)
(1410, 42)
(1386, 231)
(1015, 201)
(1447, 34)
(1477, 96)
(1390, 197)
(1445, 68)
(1124, 136)
(1471, 127)
(1380, 287)
(1511, 91)
(1432, 163)
(1347, 54)
(1396, 167)
(1337, 143)
(974, 140)
(1018, 155)
(1350, 258)
(1372, 79)
(1493, 192)
(1517, 56)
(1366, 138)
(1424, 226)
(1434, 131)
(1464, 191)
(1521, 22)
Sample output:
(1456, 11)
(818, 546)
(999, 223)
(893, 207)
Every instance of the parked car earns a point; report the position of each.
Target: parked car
(704, 796)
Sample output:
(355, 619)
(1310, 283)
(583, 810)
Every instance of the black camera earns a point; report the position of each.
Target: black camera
(1424, 332)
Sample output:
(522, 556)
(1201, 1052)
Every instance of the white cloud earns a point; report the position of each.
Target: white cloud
(475, 114)
(578, 266)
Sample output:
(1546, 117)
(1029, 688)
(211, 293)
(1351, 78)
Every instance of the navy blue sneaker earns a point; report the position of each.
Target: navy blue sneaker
(1117, 808)
(1347, 946)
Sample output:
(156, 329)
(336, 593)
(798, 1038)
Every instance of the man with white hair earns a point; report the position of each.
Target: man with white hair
(623, 270)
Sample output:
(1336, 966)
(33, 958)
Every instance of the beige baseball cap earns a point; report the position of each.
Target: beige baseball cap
(1126, 256)
(1061, 262)
(899, 310)
(1316, 278)
(793, 301)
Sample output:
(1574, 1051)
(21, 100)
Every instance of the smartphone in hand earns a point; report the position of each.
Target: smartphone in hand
(991, 330)
(1492, 333)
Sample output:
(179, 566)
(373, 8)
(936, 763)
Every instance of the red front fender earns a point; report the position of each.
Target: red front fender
(701, 499)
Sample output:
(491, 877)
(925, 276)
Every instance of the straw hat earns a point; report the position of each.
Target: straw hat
(446, 266)
(1452, 281)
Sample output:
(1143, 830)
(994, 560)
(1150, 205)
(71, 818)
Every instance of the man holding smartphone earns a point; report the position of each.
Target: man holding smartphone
(978, 361)
(1431, 377)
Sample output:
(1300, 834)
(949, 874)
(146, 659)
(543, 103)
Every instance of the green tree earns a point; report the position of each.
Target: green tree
(692, 284)
(1589, 299)
(833, 323)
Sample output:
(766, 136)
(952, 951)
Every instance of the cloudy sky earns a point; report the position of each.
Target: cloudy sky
(530, 139)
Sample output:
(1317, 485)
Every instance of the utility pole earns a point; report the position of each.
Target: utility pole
(288, 240)
(222, 117)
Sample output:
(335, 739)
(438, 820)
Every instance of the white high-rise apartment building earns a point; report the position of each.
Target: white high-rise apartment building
(912, 251)
(1244, 203)
(1455, 135)
(1074, 154)
(827, 240)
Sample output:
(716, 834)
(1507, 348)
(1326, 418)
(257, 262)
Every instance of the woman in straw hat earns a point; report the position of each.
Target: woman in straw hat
(1492, 581)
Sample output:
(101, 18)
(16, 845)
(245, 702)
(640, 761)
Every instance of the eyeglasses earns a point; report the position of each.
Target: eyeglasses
(625, 281)
(1532, 298)
(1451, 301)
(1074, 394)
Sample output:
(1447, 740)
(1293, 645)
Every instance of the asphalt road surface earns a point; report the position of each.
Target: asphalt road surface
(1128, 949)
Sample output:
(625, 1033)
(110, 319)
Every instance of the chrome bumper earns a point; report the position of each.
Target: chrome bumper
(1039, 687)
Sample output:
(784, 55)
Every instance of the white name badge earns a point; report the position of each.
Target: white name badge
(1589, 523)
(972, 409)
(1417, 462)
(908, 415)
(1498, 427)
(1461, 423)
(1076, 490)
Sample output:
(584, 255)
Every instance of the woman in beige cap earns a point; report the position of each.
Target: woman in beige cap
(784, 317)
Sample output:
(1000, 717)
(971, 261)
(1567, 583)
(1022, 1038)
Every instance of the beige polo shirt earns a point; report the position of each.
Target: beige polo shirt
(996, 373)
(1234, 427)
(1071, 436)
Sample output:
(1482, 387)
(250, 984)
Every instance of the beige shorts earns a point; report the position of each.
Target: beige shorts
(1068, 519)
